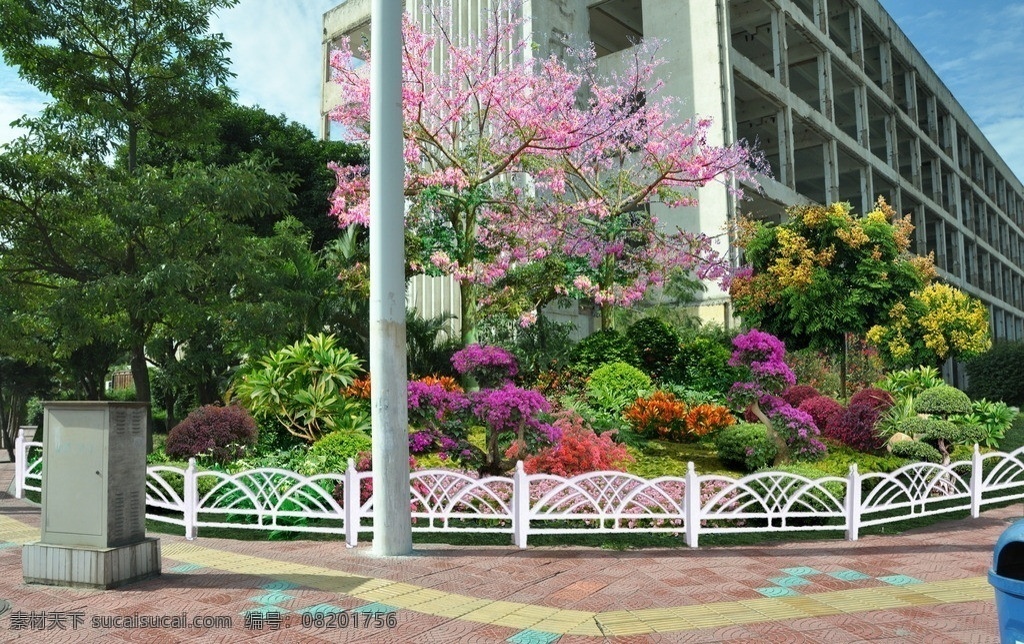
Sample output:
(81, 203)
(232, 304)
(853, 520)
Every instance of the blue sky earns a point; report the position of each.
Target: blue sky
(975, 47)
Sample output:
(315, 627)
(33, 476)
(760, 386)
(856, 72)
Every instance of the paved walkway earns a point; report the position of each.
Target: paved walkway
(926, 585)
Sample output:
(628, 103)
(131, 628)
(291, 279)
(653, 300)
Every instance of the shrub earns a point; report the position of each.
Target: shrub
(839, 458)
(300, 387)
(855, 427)
(490, 366)
(911, 382)
(745, 446)
(878, 399)
(993, 418)
(580, 450)
(603, 347)
(221, 434)
(798, 393)
(661, 414)
(331, 453)
(916, 451)
(702, 363)
(615, 385)
(1014, 437)
(942, 401)
(656, 346)
(822, 409)
(797, 428)
(705, 419)
(998, 374)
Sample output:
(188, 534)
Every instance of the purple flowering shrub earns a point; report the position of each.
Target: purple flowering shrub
(855, 426)
(513, 417)
(793, 431)
(490, 366)
(221, 434)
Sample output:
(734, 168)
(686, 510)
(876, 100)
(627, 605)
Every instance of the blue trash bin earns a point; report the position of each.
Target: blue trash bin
(1007, 577)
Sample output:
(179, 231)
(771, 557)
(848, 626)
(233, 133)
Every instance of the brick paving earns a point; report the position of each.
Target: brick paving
(926, 585)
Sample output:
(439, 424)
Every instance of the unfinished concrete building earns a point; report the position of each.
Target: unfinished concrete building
(840, 101)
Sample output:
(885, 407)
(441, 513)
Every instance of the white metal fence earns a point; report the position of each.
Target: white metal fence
(598, 502)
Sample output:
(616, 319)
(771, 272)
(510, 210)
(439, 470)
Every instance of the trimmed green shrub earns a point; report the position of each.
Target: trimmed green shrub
(916, 451)
(746, 446)
(1014, 437)
(601, 348)
(656, 346)
(942, 401)
(998, 374)
(616, 385)
(331, 453)
(702, 363)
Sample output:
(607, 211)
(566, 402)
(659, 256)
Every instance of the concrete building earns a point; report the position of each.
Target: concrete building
(843, 105)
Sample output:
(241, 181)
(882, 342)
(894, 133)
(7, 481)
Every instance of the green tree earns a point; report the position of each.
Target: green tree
(825, 273)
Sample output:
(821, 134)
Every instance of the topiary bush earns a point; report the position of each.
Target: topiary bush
(601, 348)
(745, 446)
(998, 374)
(822, 409)
(855, 427)
(878, 399)
(942, 401)
(916, 451)
(331, 453)
(656, 346)
(219, 434)
(615, 385)
(798, 393)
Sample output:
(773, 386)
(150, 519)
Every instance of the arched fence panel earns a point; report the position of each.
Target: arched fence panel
(535, 504)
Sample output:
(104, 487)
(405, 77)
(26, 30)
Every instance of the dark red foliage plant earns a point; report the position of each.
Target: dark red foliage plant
(798, 393)
(221, 434)
(855, 427)
(822, 409)
(878, 399)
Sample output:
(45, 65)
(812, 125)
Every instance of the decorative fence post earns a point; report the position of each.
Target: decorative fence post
(853, 504)
(976, 483)
(351, 500)
(692, 494)
(20, 454)
(520, 506)
(191, 493)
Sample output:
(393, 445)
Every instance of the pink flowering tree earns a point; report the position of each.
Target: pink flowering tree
(792, 430)
(506, 168)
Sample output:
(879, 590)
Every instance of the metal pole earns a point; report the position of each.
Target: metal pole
(392, 521)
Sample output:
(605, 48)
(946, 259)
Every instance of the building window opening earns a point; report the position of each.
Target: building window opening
(616, 25)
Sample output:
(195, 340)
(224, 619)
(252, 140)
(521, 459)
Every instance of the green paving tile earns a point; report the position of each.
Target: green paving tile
(789, 582)
(533, 637)
(7, 544)
(801, 571)
(375, 607)
(279, 585)
(272, 598)
(185, 568)
(899, 580)
(849, 575)
(322, 609)
(778, 591)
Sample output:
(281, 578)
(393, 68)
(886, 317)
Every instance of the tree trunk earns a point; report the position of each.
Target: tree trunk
(842, 371)
(606, 316)
(781, 448)
(140, 375)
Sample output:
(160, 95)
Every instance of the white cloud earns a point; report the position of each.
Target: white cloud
(276, 54)
(17, 99)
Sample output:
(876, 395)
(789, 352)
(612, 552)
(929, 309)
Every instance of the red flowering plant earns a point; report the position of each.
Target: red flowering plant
(579, 450)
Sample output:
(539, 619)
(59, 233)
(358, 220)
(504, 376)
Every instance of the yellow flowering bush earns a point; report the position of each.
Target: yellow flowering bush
(936, 323)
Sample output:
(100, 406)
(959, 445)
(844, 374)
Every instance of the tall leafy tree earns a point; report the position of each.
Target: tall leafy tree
(825, 273)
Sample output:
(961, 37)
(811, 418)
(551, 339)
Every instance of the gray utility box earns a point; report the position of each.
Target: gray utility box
(94, 497)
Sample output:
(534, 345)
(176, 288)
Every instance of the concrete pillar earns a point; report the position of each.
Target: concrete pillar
(392, 521)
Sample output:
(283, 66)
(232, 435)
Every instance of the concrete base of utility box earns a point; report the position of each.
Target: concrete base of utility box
(87, 567)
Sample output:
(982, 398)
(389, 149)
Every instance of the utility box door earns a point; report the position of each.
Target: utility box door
(74, 493)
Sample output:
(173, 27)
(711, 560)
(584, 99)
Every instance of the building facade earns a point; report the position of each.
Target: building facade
(842, 104)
